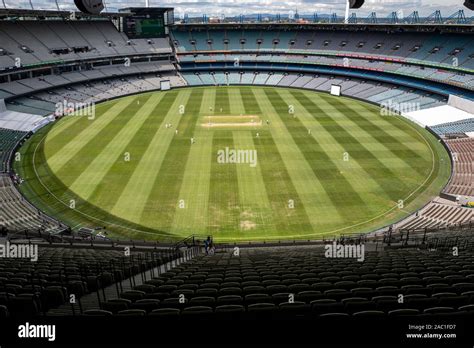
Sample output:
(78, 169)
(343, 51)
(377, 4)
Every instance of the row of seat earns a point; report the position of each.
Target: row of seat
(29, 289)
(284, 311)
(8, 140)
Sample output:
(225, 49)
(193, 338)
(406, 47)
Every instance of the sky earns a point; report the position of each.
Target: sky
(236, 7)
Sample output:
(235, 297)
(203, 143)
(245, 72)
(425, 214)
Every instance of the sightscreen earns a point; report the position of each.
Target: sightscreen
(165, 85)
(336, 90)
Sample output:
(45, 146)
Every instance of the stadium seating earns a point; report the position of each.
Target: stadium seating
(302, 282)
(462, 182)
(428, 73)
(397, 45)
(18, 214)
(43, 102)
(438, 215)
(363, 89)
(37, 41)
(27, 86)
(463, 126)
(29, 289)
(9, 139)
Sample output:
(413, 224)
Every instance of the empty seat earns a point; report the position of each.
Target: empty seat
(147, 305)
(322, 308)
(360, 306)
(294, 308)
(116, 305)
(133, 295)
(437, 310)
(369, 313)
(262, 308)
(230, 291)
(132, 313)
(202, 301)
(146, 288)
(97, 313)
(197, 311)
(207, 292)
(230, 309)
(403, 312)
(53, 296)
(3, 312)
(230, 300)
(174, 302)
(165, 312)
(25, 305)
(421, 303)
(275, 289)
(253, 290)
(281, 298)
(335, 315)
(257, 298)
(308, 296)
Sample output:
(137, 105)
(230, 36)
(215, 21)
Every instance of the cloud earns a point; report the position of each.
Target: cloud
(236, 7)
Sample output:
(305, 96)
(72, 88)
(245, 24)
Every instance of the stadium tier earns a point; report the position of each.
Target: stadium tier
(463, 126)
(32, 289)
(446, 58)
(18, 214)
(9, 140)
(259, 283)
(367, 90)
(462, 182)
(411, 46)
(37, 42)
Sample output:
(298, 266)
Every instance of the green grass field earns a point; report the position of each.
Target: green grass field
(335, 166)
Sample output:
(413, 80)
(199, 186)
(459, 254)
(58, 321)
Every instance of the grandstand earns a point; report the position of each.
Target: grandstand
(9, 140)
(33, 289)
(462, 182)
(138, 249)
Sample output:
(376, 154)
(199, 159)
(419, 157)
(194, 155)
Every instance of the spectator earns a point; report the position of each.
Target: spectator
(206, 244)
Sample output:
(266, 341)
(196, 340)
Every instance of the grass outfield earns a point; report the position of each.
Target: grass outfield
(335, 166)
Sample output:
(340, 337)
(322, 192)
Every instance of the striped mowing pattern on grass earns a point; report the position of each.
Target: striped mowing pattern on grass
(131, 173)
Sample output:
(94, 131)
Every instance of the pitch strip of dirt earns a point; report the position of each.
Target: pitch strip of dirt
(220, 121)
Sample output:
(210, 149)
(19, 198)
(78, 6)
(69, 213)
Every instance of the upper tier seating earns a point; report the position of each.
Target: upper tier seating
(416, 46)
(37, 41)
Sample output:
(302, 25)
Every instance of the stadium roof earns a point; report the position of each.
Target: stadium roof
(17, 12)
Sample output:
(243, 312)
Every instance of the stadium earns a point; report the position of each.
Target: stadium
(167, 167)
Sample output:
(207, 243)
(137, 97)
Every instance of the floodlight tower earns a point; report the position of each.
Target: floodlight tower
(352, 4)
(346, 16)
